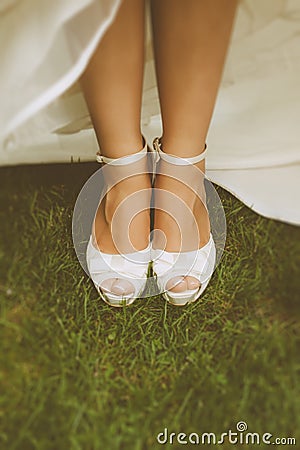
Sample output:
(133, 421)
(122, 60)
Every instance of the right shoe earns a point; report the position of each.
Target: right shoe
(127, 273)
(126, 270)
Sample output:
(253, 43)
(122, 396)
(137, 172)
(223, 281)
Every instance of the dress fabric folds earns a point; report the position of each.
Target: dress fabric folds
(254, 137)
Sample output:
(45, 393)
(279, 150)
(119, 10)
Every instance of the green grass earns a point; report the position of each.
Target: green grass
(78, 374)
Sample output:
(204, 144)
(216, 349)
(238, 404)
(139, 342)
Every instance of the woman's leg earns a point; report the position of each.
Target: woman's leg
(112, 85)
(190, 43)
(112, 82)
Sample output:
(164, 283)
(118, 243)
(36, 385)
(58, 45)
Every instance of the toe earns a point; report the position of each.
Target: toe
(117, 286)
(192, 283)
(177, 284)
(106, 285)
(181, 284)
(122, 287)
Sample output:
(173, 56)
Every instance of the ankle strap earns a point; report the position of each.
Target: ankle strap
(177, 160)
(128, 159)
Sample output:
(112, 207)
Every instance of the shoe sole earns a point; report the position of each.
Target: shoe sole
(115, 302)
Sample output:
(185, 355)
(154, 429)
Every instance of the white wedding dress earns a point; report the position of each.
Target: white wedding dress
(254, 137)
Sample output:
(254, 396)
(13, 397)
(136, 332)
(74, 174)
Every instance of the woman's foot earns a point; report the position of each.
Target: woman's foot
(122, 225)
(122, 221)
(181, 219)
(118, 251)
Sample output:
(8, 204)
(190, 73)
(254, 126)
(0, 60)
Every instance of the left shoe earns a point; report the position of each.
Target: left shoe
(199, 263)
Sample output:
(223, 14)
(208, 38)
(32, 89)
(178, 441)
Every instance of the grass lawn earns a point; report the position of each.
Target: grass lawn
(78, 374)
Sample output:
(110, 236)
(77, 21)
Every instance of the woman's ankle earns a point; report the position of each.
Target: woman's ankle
(117, 146)
(182, 146)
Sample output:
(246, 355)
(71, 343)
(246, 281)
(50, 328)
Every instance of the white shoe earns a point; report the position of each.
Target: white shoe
(171, 267)
(127, 273)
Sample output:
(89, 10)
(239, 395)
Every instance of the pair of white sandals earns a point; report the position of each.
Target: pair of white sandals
(166, 266)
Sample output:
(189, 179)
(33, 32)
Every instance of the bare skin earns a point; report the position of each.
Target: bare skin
(112, 85)
(190, 43)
